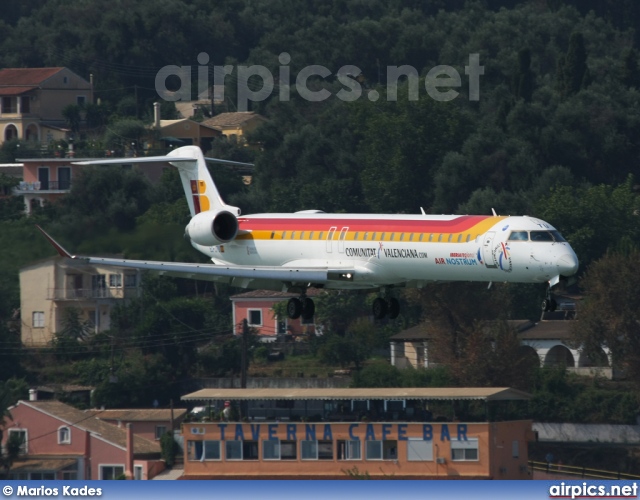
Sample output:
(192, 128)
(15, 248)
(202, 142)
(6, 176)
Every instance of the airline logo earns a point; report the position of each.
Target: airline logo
(200, 200)
(391, 253)
(502, 257)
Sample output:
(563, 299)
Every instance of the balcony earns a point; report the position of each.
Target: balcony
(42, 187)
(89, 293)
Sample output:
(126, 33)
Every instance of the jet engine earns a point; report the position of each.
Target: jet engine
(212, 228)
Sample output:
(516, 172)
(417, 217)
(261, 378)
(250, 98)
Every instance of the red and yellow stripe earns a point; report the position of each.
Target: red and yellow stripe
(458, 229)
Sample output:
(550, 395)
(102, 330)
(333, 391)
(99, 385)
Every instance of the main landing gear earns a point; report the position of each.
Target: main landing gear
(386, 307)
(302, 306)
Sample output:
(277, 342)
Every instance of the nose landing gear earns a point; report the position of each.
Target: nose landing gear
(549, 304)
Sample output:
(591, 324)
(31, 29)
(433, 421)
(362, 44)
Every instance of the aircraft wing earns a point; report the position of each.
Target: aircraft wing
(242, 276)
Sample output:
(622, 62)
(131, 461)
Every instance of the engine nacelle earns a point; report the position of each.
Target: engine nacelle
(212, 228)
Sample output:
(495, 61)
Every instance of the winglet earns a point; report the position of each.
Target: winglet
(59, 248)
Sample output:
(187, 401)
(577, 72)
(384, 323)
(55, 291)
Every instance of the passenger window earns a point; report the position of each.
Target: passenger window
(293, 235)
(468, 237)
(284, 234)
(302, 235)
(355, 236)
(459, 238)
(541, 236)
(411, 237)
(440, 237)
(373, 236)
(518, 236)
(311, 235)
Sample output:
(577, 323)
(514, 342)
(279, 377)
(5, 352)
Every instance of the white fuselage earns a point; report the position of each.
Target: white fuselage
(401, 249)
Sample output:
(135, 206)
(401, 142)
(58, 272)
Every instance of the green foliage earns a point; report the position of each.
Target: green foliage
(169, 448)
(594, 219)
(609, 315)
(68, 340)
(122, 133)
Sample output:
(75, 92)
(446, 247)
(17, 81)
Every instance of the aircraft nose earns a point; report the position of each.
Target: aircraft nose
(568, 264)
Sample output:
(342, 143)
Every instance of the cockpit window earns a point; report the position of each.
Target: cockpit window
(518, 236)
(541, 236)
(558, 237)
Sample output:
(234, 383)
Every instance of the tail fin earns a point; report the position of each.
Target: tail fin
(199, 188)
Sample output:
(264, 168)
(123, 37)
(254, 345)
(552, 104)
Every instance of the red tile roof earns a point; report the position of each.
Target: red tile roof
(21, 77)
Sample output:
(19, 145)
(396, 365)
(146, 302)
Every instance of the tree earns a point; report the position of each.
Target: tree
(68, 341)
(573, 72)
(524, 79)
(609, 314)
(630, 71)
(72, 117)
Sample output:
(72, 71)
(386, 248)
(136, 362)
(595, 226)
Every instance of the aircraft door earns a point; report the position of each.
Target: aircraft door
(487, 254)
(330, 234)
(343, 236)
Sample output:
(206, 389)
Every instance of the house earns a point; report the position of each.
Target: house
(256, 307)
(51, 286)
(181, 132)
(236, 126)
(32, 100)
(150, 424)
(316, 434)
(548, 340)
(64, 443)
(49, 179)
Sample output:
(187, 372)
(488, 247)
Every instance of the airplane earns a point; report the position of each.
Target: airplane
(375, 252)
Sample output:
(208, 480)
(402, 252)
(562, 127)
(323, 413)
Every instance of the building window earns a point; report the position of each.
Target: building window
(316, 450)
(349, 450)
(23, 437)
(69, 476)
(274, 449)
(137, 472)
(39, 476)
(38, 319)
(64, 435)
(9, 105)
(161, 430)
(130, 280)
(515, 449)
(241, 450)
(111, 471)
(254, 316)
(115, 280)
(382, 450)
(25, 104)
(464, 450)
(204, 450)
(419, 450)
(81, 100)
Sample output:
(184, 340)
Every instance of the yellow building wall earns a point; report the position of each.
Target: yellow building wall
(34, 285)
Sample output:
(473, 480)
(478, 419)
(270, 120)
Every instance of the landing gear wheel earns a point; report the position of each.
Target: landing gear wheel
(308, 308)
(545, 305)
(294, 308)
(394, 308)
(379, 308)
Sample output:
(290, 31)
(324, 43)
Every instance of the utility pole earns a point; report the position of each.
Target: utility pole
(244, 361)
(244, 365)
